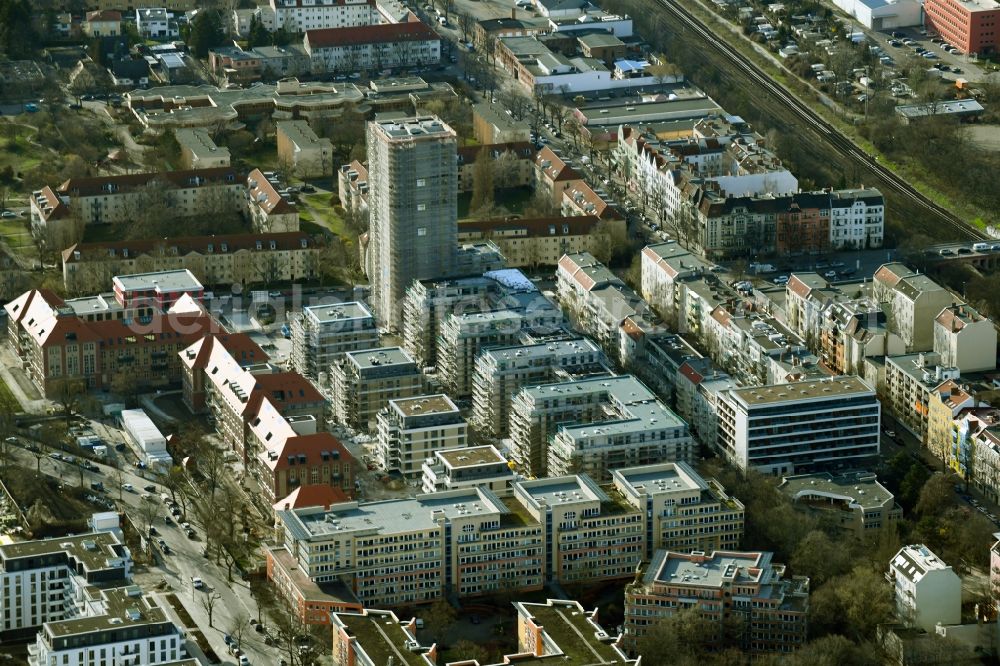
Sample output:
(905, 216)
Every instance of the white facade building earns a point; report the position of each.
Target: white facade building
(149, 441)
(114, 626)
(928, 591)
(302, 15)
(43, 581)
(410, 430)
(154, 22)
(857, 218)
(467, 467)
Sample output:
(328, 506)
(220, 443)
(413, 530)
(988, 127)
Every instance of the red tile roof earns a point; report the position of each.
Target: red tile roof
(309, 449)
(187, 245)
(383, 33)
(282, 389)
(88, 187)
(264, 194)
(104, 15)
(312, 495)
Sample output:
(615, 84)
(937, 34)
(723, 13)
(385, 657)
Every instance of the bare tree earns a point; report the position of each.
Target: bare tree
(208, 601)
(238, 626)
(69, 393)
(466, 23)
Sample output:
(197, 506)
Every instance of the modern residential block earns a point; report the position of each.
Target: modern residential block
(44, 580)
(928, 591)
(502, 371)
(363, 382)
(412, 198)
(801, 426)
(594, 425)
(555, 630)
(122, 625)
(728, 588)
(467, 467)
(684, 512)
(854, 500)
(297, 16)
(322, 334)
(410, 430)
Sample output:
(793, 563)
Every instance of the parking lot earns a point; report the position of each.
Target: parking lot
(901, 45)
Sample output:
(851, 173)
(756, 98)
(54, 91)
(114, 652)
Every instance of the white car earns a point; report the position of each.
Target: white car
(197, 583)
(128, 487)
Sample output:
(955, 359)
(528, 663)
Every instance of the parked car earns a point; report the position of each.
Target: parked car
(128, 487)
(149, 488)
(197, 583)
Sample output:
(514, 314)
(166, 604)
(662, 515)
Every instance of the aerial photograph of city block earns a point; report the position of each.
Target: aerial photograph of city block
(499, 332)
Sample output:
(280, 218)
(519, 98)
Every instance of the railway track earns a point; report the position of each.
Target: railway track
(832, 136)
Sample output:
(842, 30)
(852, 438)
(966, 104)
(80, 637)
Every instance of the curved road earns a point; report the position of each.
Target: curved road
(836, 139)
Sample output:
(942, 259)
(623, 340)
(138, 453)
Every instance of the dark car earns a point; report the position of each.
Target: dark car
(150, 488)
(308, 189)
(964, 250)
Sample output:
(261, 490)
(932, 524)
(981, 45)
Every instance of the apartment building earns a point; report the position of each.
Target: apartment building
(47, 580)
(363, 382)
(854, 501)
(974, 450)
(664, 268)
(595, 534)
(599, 302)
(467, 467)
(464, 335)
(927, 591)
(726, 588)
(410, 430)
(373, 47)
(244, 259)
(553, 176)
(198, 151)
(429, 303)
(207, 352)
(501, 372)
(413, 194)
(684, 512)
(533, 242)
(303, 15)
(947, 401)
(582, 199)
(467, 542)
(554, 631)
(724, 150)
(307, 155)
(352, 187)
(594, 424)
(291, 453)
(965, 339)
(857, 219)
(270, 211)
(491, 125)
(116, 626)
(322, 334)
(235, 393)
(91, 340)
(800, 426)
(118, 199)
(910, 382)
(699, 385)
(912, 301)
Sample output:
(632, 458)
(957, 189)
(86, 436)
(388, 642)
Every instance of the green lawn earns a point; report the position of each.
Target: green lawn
(513, 199)
(320, 208)
(8, 402)
(24, 155)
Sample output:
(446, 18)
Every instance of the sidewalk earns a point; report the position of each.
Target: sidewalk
(9, 364)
